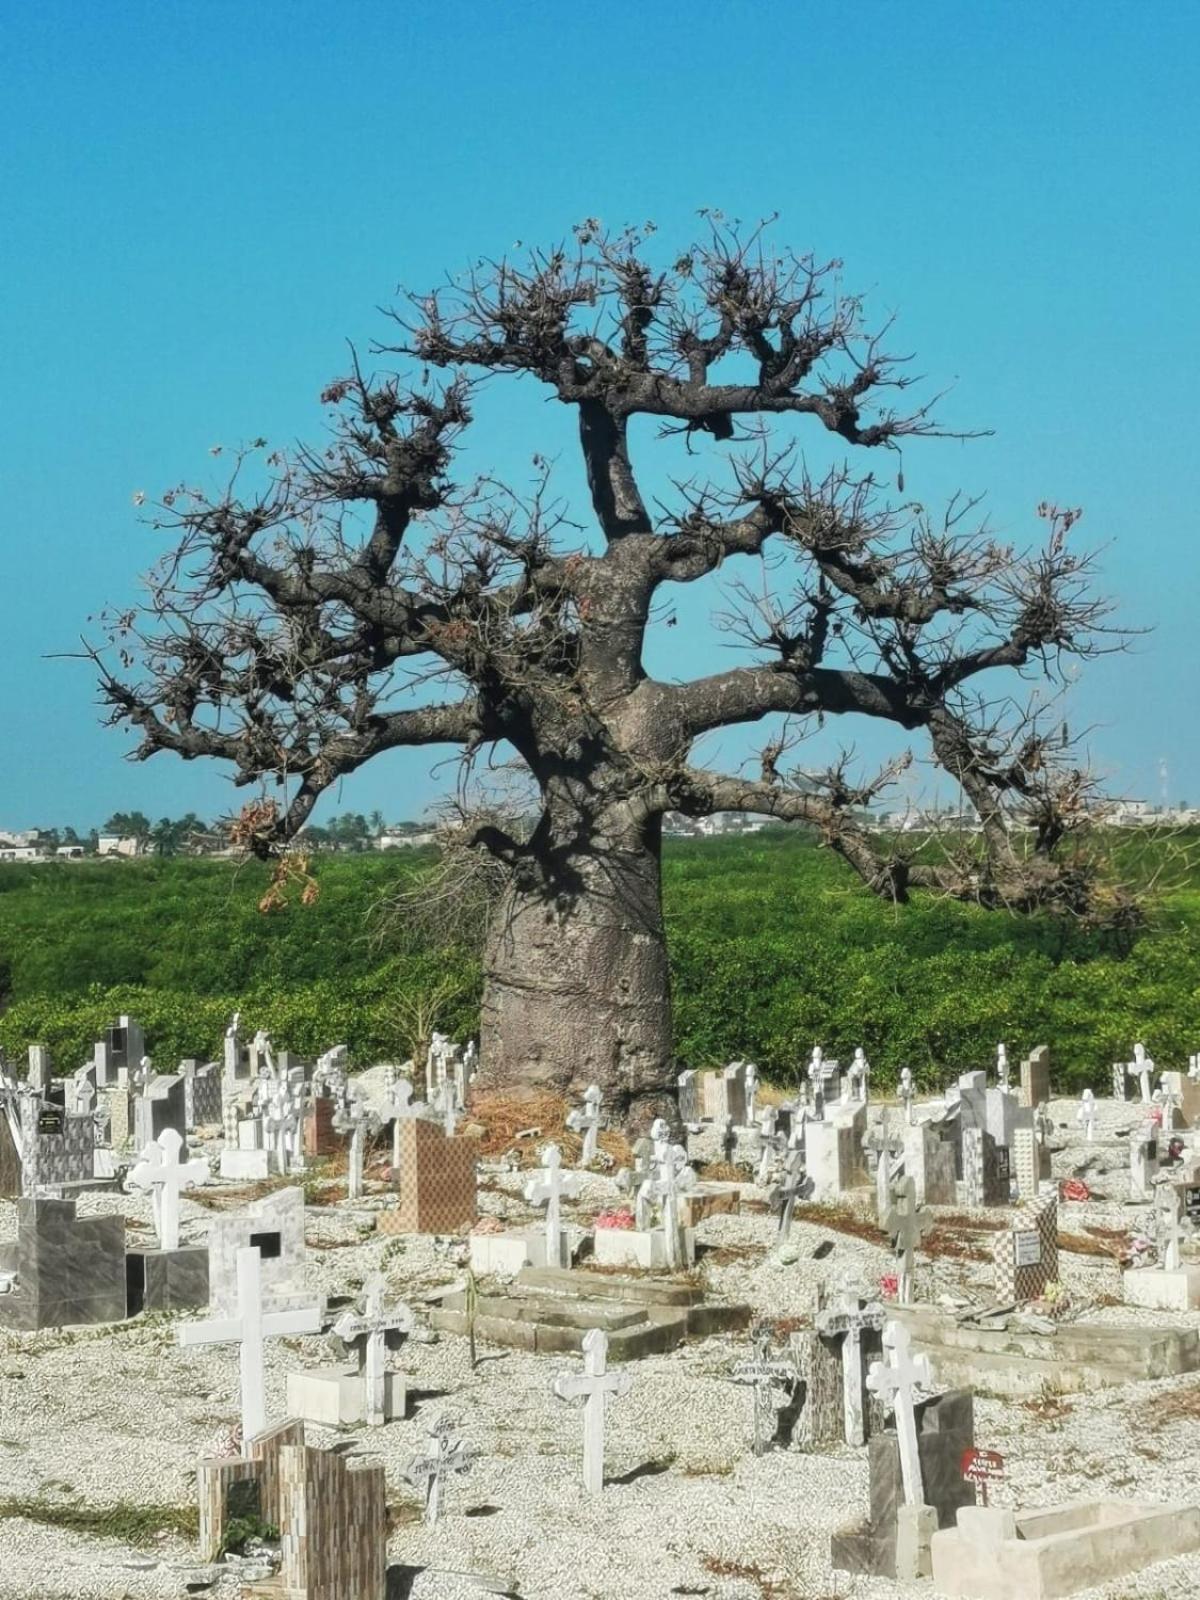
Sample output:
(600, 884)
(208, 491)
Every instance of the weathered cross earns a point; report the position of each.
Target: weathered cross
(906, 1225)
(1002, 1065)
(636, 1181)
(860, 1076)
(400, 1107)
(250, 1329)
(893, 1380)
(369, 1329)
(773, 1381)
(751, 1081)
(445, 1455)
(887, 1146)
(791, 1187)
(162, 1173)
(672, 1176)
(593, 1386)
(279, 1118)
(1168, 1198)
(548, 1190)
(586, 1120)
(850, 1320)
(357, 1120)
(770, 1144)
(728, 1140)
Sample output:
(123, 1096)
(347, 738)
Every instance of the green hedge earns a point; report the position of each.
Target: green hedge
(773, 948)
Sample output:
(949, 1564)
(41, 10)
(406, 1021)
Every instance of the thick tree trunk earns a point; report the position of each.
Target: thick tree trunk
(576, 984)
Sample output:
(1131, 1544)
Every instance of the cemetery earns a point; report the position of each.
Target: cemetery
(414, 1360)
(652, 1051)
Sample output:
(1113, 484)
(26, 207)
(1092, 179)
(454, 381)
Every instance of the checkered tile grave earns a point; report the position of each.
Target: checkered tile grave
(1026, 1255)
(437, 1181)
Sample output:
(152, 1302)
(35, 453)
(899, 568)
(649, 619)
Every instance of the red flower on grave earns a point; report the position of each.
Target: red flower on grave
(1074, 1189)
(615, 1219)
(889, 1285)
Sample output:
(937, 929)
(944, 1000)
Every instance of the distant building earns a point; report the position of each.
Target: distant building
(405, 838)
(112, 844)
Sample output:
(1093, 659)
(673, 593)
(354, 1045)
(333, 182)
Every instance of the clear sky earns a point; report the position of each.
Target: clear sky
(201, 202)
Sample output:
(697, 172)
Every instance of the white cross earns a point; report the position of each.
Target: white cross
(141, 1075)
(751, 1091)
(1168, 1198)
(671, 1178)
(401, 1107)
(1085, 1117)
(166, 1177)
(372, 1326)
(548, 1190)
(906, 1226)
(587, 1121)
(593, 1386)
(446, 1455)
(816, 1077)
(850, 1321)
(860, 1076)
(893, 1380)
(767, 1144)
(250, 1329)
(443, 1103)
(886, 1146)
(1002, 1065)
(637, 1181)
(660, 1137)
(279, 1119)
(1141, 1068)
(356, 1120)
(906, 1091)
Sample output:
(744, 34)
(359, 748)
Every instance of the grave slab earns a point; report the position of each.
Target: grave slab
(335, 1397)
(167, 1280)
(644, 1248)
(1163, 1291)
(994, 1554)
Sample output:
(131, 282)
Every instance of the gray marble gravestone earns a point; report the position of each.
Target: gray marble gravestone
(70, 1270)
(122, 1047)
(202, 1093)
(58, 1147)
(163, 1105)
(945, 1429)
(274, 1226)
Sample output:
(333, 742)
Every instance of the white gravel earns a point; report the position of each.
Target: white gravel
(106, 1416)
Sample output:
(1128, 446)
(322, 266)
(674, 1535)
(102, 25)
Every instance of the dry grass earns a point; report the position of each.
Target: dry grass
(504, 1115)
(841, 1219)
(1179, 1405)
(722, 1172)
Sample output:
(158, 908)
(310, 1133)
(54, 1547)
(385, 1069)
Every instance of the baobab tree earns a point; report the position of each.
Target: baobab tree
(328, 605)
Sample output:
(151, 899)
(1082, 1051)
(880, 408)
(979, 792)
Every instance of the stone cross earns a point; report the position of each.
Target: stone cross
(769, 1144)
(791, 1187)
(773, 1381)
(672, 1177)
(250, 1329)
(140, 1076)
(906, 1224)
(430, 1471)
(660, 1137)
(593, 1386)
(1141, 1068)
(279, 1119)
(728, 1140)
(1167, 1204)
(637, 1181)
(356, 1120)
(1002, 1065)
(860, 1076)
(1043, 1124)
(906, 1091)
(587, 1121)
(443, 1103)
(370, 1328)
(849, 1320)
(887, 1146)
(162, 1173)
(893, 1380)
(1167, 1101)
(1086, 1115)
(816, 1080)
(548, 1191)
(400, 1107)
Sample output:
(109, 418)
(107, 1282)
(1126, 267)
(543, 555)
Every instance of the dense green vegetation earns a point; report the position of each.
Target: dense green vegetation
(774, 947)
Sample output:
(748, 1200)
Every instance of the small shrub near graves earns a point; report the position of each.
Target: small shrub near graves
(240, 1531)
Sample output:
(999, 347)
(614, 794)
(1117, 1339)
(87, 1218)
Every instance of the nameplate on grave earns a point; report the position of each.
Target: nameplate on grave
(1191, 1200)
(1028, 1248)
(981, 1467)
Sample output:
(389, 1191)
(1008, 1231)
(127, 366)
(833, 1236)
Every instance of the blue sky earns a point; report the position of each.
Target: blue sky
(202, 202)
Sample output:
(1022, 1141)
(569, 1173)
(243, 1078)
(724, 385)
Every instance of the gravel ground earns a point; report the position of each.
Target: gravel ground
(107, 1417)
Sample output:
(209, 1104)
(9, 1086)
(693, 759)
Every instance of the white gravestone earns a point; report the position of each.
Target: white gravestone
(548, 1190)
(161, 1172)
(906, 1091)
(672, 1177)
(594, 1386)
(1085, 1117)
(370, 1327)
(1141, 1068)
(893, 1380)
(250, 1329)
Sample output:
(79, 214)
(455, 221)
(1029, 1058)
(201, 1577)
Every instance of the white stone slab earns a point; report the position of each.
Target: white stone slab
(1163, 1291)
(335, 1397)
